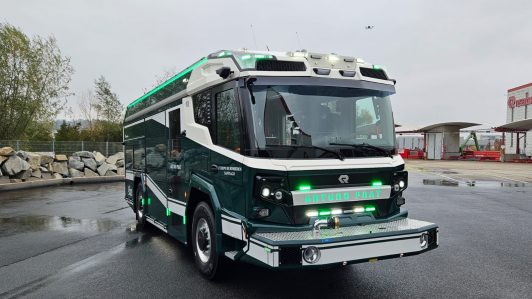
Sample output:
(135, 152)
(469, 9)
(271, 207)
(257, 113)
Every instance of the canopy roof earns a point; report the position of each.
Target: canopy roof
(459, 125)
(516, 126)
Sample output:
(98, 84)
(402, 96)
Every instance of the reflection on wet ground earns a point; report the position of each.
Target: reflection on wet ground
(29, 223)
(450, 183)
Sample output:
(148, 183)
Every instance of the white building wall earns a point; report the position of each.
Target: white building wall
(516, 114)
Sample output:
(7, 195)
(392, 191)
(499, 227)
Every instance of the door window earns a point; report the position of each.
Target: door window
(228, 130)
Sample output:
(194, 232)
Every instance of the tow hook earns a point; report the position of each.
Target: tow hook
(331, 222)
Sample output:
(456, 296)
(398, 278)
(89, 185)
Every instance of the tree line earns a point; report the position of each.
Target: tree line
(34, 87)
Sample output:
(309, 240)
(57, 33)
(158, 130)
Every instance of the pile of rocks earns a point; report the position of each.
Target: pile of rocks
(21, 166)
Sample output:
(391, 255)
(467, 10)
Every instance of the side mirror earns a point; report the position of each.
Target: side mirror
(224, 72)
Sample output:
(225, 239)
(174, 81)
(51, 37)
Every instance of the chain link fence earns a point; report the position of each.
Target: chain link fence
(64, 147)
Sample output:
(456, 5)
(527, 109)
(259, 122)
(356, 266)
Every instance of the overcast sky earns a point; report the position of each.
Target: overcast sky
(453, 60)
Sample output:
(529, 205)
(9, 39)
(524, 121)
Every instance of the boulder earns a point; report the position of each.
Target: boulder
(111, 167)
(110, 173)
(99, 158)
(83, 154)
(120, 163)
(14, 165)
(23, 155)
(15, 181)
(61, 158)
(2, 159)
(1, 172)
(61, 168)
(47, 175)
(57, 176)
(43, 169)
(46, 159)
(74, 173)
(34, 160)
(103, 169)
(90, 163)
(7, 151)
(118, 156)
(75, 163)
(120, 171)
(90, 173)
(36, 174)
(23, 175)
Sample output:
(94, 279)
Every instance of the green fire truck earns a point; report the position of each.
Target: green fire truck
(283, 159)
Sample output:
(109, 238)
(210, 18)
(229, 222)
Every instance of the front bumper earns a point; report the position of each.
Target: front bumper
(346, 245)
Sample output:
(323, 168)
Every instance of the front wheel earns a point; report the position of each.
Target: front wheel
(204, 241)
(139, 208)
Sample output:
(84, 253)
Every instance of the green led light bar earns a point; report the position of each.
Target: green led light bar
(142, 202)
(376, 183)
(370, 209)
(168, 212)
(225, 53)
(149, 200)
(304, 187)
(184, 219)
(167, 82)
(324, 213)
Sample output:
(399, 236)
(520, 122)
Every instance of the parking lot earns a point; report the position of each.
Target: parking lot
(80, 241)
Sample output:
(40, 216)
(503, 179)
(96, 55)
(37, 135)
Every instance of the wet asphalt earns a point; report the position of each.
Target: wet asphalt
(80, 241)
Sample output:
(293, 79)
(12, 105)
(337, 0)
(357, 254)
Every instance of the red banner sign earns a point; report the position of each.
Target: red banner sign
(512, 102)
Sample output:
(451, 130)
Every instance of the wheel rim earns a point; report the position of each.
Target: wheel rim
(140, 208)
(203, 240)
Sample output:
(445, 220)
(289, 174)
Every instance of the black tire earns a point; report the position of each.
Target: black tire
(203, 246)
(139, 209)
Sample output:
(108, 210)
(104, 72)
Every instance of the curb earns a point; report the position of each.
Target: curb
(57, 182)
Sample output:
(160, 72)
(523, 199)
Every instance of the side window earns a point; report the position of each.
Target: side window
(174, 121)
(202, 103)
(174, 140)
(227, 120)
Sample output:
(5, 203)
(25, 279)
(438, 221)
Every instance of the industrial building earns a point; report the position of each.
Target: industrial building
(518, 128)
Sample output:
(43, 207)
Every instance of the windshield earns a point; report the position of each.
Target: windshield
(305, 120)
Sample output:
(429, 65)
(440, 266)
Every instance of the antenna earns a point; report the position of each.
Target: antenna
(298, 40)
(267, 48)
(253, 34)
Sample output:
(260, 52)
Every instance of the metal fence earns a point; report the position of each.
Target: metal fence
(64, 147)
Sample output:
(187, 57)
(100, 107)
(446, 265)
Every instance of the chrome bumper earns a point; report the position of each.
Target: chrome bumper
(351, 244)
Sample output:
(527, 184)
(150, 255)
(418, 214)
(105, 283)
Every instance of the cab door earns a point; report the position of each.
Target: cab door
(156, 144)
(226, 164)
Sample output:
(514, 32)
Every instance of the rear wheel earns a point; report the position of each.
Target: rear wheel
(204, 241)
(139, 207)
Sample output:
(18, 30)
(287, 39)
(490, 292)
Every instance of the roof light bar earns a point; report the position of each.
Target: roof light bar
(167, 82)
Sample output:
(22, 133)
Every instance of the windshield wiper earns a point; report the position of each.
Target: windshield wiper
(385, 152)
(338, 154)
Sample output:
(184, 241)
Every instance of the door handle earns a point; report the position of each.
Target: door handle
(214, 168)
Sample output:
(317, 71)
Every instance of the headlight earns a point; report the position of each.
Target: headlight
(402, 184)
(265, 192)
(271, 188)
(311, 254)
(400, 181)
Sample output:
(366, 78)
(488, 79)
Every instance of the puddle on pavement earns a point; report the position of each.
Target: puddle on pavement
(28, 223)
(488, 184)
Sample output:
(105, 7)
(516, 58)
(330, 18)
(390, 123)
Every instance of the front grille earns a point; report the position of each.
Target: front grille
(373, 73)
(290, 256)
(280, 66)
